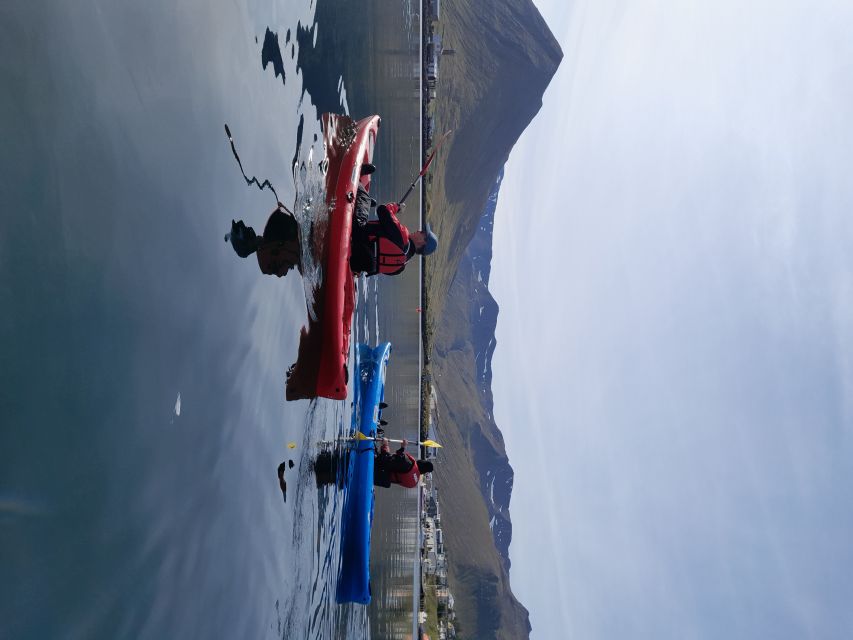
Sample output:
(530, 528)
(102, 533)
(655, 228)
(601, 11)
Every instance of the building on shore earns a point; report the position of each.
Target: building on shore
(434, 562)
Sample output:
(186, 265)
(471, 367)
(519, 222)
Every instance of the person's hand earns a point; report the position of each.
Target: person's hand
(385, 442)
(404, 443)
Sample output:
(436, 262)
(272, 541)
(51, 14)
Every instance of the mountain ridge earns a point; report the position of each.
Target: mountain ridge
(488, 93)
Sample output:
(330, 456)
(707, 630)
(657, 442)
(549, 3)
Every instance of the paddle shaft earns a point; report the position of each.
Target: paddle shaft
(423, 172)
(425, 443)
(411, 186)
(361, 437)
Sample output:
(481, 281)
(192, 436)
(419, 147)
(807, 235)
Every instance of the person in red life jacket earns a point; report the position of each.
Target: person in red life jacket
(400, 468)
(385, 245)
(277, 249)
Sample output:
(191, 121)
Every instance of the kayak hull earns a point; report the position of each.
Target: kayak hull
(340, 284)
(357, 518)
(321, 366)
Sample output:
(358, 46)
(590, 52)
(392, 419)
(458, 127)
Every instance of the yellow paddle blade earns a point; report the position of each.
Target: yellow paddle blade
(431, 443)
(291, 445)
(360, 436)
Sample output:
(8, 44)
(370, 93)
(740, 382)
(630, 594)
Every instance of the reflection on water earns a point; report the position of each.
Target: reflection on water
(395, 547)
(271, 54)
(311, 611)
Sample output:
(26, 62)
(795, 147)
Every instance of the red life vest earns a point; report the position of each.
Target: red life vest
(408, 479)
(391, 257)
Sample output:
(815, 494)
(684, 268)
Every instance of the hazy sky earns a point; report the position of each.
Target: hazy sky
(674, 372)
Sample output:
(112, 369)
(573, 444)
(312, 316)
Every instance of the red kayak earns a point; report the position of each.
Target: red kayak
(321, 366)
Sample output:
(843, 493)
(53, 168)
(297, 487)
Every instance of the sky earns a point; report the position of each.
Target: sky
(673, 260)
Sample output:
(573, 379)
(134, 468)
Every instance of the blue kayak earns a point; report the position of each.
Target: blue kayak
(369, 391)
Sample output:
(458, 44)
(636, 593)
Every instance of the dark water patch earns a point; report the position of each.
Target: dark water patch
(278, 618)
(316, 56)
(299, 129)
(281, 481)
(271, 53)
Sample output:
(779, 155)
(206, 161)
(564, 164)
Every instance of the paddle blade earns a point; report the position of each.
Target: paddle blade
(291, 445)
(360, 436)
(432, 444)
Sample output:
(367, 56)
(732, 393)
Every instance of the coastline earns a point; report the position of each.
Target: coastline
(433, 605)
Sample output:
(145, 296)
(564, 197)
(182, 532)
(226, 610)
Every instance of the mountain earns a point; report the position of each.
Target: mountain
(474, 475)
(470, 295)
(473, 277)
(488, 92)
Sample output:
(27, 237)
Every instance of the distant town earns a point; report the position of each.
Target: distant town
(436, 614)
(433, 50)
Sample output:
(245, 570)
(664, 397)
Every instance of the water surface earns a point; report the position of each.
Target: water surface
(142, 376)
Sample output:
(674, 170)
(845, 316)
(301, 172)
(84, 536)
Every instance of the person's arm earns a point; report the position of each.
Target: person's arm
(392, 228)
(402, 448)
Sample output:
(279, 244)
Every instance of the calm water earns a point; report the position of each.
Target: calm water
(141, 362)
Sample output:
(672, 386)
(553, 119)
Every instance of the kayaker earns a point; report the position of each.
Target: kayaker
(277, 248)
(385, 245)
(400, 468)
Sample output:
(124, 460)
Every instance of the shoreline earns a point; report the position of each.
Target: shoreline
(433, 605)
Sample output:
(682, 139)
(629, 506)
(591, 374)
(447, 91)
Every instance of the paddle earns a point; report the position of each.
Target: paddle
(426, 443)
(426, 166)
(360, 436)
